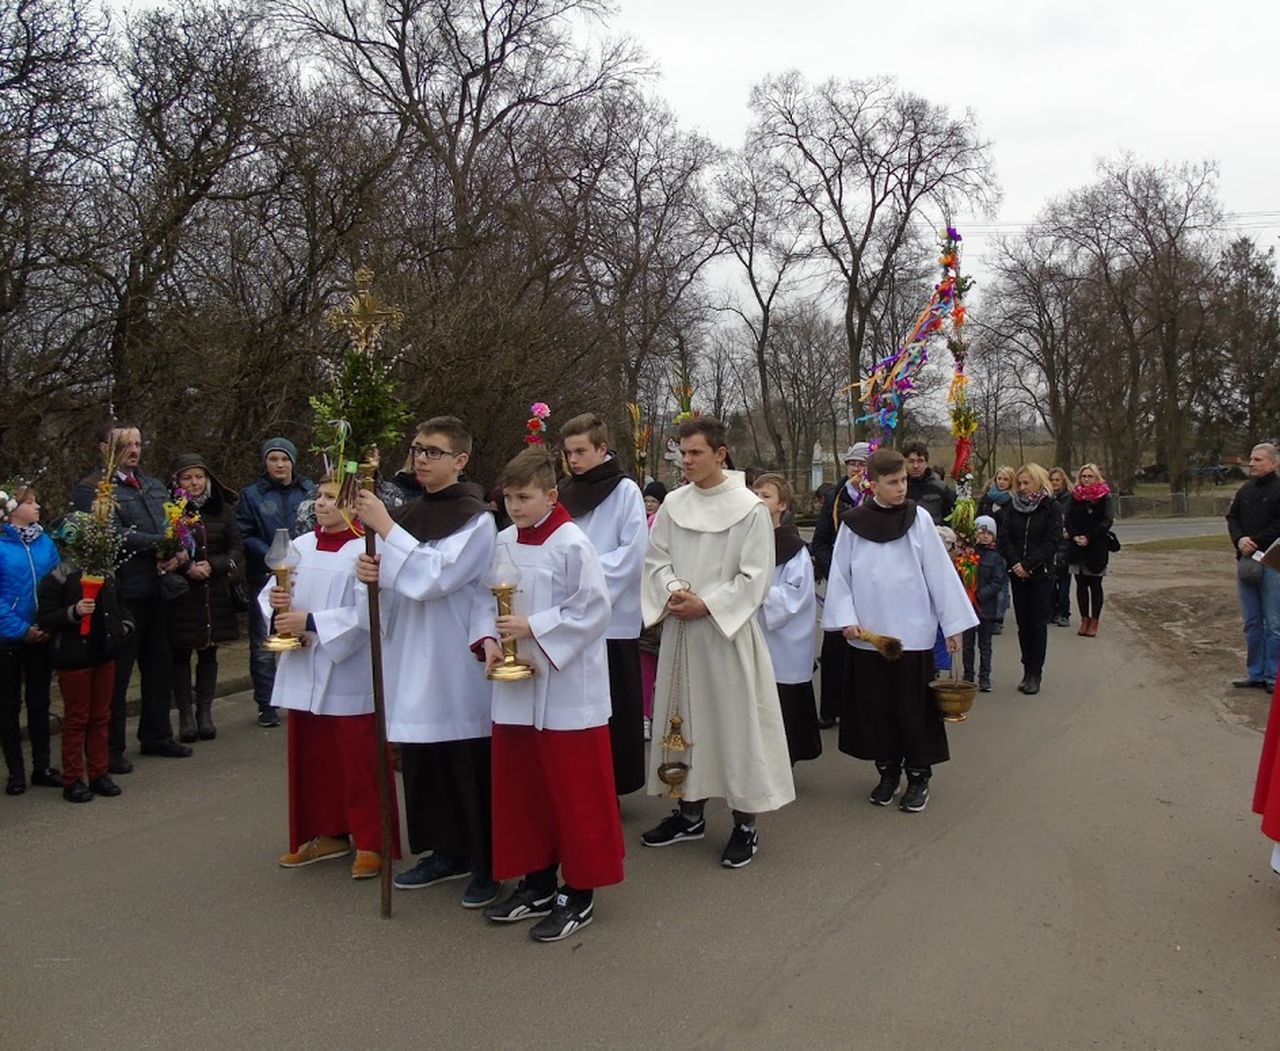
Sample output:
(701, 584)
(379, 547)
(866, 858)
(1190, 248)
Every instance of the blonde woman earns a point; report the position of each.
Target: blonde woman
(1060, 482)
(1029, 540)
(1088, 527)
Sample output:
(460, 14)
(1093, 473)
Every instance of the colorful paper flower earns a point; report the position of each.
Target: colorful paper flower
(540, 409)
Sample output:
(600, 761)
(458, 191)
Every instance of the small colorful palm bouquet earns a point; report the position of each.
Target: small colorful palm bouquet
(180, 516)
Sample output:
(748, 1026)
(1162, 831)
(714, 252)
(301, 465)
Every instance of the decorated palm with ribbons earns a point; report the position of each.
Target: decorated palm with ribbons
(893, 379)
(354, 420)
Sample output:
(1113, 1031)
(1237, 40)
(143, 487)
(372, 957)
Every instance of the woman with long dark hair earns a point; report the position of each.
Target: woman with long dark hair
(1088, 527)
(1029, 539)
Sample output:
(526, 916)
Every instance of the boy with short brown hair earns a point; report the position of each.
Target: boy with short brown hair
(890, 575)
(608, 506)
(553, 795)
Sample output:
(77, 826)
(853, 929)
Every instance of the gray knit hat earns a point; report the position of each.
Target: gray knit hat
(282, 445)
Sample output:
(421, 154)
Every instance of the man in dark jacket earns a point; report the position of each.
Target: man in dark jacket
(834, 660)
(140, 516)
(1254, 524)
(269, 504)
(925, 487)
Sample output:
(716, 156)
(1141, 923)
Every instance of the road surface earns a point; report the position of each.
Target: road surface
(1087, 874)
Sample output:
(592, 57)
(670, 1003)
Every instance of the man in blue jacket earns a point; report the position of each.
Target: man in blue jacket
(269, 504)
(140, 516)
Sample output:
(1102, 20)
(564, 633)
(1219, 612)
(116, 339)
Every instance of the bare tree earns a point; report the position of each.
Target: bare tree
(868, 163)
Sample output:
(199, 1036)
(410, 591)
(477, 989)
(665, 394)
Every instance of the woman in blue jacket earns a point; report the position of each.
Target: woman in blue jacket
(26, 555)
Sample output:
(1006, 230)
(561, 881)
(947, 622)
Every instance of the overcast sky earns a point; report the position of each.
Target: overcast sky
(1055, 86)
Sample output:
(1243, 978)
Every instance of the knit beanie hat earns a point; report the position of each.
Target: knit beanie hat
(985, 522)
(657, 490)
(283, 445)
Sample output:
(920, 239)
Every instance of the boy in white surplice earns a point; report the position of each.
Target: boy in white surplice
(891, 575)
(553, 794)
(433, 554)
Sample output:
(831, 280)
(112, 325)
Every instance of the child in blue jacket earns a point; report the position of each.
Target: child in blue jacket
(26, 555)
(993, 575)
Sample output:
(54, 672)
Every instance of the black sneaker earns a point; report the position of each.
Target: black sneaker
(104, 786)
(268, 717)
(883, 793)
(743, 843)
(564, 919)
(430, 870)
(916, 797)
(119, 764)
(524, 904)
(674, 829)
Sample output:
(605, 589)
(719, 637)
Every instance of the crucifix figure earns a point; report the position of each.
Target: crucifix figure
(365, 315)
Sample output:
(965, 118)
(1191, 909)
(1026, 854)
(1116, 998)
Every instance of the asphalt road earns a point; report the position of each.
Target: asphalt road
(1087, 873)
(1135, 530)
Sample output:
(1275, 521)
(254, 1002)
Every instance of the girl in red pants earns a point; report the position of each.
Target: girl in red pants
(86, 667)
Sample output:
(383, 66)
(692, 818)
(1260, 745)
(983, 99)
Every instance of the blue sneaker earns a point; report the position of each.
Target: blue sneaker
(481, 891)
(430, 870)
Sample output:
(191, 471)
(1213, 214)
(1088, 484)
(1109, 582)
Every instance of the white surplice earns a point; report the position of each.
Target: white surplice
(436, 689)
(789, 617)
(619, 531)
(905, 587)
(562, 591)
(721, 542)
(331, 674)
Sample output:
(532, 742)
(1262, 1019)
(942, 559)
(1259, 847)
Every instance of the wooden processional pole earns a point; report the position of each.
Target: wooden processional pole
(364, 319)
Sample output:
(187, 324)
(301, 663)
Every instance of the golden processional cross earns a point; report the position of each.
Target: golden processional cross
(365, 315)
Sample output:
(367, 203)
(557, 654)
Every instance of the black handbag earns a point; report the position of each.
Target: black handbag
(1113, 541)
(173, 586)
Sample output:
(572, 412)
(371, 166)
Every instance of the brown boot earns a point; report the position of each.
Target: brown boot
(1093, 627)
(1084, 626)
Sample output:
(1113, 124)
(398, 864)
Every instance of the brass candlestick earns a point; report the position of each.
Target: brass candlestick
(504, 581)
(282, 560)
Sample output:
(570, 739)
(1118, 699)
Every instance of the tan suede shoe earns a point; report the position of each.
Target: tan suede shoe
(367, 864)
(320, 848)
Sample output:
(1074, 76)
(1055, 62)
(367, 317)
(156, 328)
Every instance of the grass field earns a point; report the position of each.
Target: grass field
(1182, 543)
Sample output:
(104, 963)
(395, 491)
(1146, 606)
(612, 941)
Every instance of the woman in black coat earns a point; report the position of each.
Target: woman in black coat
(1061, 615)
(1089, 521)
(205, 614)
(1030, 537)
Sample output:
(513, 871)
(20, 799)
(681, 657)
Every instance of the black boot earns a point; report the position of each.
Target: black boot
(1030, 685)
(206, 684)
(187, 731)
(890, 778)
(916, 796)
(181, 685)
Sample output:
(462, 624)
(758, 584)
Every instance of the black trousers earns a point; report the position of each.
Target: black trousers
(25, 666)
(1032, 604)
(147, 647)
(626, 723)
(835, 662)
(206, 676)
(447, 799)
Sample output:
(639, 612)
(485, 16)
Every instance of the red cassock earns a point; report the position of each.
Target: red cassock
(333, 781)
(553, 802)
(1266, 792)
